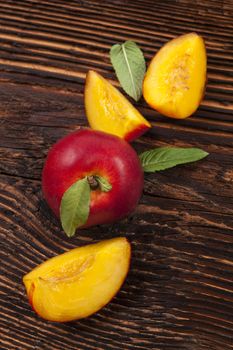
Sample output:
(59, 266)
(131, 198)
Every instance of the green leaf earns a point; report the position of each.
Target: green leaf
(167, 157)
(75, 206)
(130, 67)
(104, 185)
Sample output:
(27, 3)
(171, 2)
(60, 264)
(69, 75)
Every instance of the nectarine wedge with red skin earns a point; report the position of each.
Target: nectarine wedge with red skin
(87, 152)
(80, 282)
(175, 81)
(109, 111)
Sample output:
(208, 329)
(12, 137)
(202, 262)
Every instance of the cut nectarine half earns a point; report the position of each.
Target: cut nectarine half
(175, 81)
(108, 110)
(78, 283)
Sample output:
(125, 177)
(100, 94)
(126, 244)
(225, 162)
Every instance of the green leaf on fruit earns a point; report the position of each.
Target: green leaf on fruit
(104, 185)
(75, 206)
(167, 157)
(130, 67)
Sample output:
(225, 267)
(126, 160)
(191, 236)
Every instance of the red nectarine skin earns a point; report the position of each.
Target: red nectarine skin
(87, 152)
(136, 133)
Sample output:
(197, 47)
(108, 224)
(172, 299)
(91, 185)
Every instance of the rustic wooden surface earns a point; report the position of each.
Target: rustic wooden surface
(179, 292)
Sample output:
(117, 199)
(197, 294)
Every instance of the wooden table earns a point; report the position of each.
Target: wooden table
(179, 292)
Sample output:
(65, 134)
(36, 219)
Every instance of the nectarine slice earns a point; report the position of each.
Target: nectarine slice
(108, 110)
(79, 282)
(175, 80)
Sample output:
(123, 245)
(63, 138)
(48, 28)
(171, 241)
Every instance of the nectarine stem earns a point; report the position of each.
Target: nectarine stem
(94, 184)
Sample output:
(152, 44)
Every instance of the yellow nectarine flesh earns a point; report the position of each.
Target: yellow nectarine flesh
(175, 80)
(78, 283)
(108, 110)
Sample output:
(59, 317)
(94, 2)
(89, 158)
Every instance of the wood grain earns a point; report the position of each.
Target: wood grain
(179, 292)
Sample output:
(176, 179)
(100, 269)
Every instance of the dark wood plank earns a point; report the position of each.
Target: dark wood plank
(179, 292)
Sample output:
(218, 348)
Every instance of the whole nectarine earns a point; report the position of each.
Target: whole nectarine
(90, 154)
